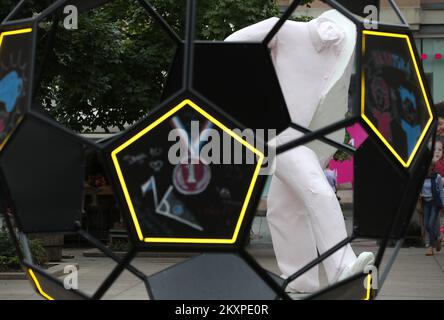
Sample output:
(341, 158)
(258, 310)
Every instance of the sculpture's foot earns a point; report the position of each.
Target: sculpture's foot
(364, 259)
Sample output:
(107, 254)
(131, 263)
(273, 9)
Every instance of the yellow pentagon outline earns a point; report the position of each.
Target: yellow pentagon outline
(38, 286)
(426, 98)
(152, 126)
(2, 35)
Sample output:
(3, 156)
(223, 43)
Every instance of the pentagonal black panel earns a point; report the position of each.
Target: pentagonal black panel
(240, 79)
(394, 102)
(385, 195)
(187, 198)
(210, 277)
(15, 78)
(379, 188)
(43, 169)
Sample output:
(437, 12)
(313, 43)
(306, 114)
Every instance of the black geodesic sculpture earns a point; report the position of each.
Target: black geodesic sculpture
(180, 206)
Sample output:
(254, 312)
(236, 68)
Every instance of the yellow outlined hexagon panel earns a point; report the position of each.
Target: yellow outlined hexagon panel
(176, 190)
(15, 78)
(394, 101)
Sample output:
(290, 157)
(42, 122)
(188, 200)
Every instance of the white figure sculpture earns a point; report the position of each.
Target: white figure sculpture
(313, 62)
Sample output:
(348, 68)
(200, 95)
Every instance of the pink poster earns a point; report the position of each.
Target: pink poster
(344, 169)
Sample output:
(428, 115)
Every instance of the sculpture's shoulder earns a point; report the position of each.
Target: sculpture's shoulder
(335, 29)
(254, 32)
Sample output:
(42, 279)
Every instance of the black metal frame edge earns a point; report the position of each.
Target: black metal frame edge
(109, 281)
(160, 20)
(337, 285)
(316, 134)
(341, 146)
(42, 273)
(398, 13)
(14, 11)
(286, 15)
(91, 239)
(319, 259)
(343, 10)
(188, 53)
(280, 292)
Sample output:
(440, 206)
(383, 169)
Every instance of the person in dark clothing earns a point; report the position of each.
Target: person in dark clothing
(432, 194)
(439, 164)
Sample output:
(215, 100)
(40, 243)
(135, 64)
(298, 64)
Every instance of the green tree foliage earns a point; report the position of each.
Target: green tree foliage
(110, 71)
(8, 257)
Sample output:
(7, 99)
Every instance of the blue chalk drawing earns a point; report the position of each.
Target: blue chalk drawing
(11, 87)
(407, 95)
(413, 133)
(412, 130)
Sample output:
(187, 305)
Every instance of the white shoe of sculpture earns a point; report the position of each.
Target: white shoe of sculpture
(358, 266)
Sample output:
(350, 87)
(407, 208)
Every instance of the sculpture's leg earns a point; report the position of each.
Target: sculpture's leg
(292, 235)
(310, 198)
